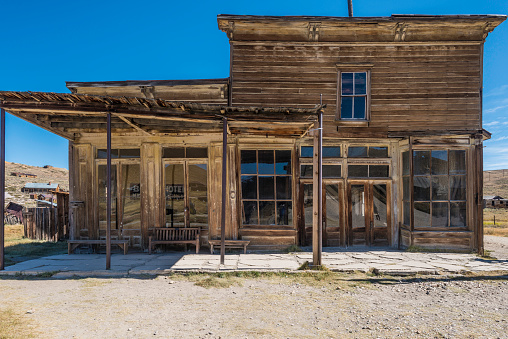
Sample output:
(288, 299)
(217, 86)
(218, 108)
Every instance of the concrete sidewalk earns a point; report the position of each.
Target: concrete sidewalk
(340, 260)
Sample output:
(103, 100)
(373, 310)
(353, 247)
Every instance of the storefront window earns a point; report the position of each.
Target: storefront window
(266, 187)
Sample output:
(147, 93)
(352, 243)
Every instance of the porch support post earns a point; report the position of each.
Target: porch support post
(317, 225)
(224, 184)
(2, 188)
(108, 196)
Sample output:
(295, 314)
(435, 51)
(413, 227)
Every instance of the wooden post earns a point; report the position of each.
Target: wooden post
(2, 188)
(317, 192)
(350, 8)
(108, 196)
(224, 184)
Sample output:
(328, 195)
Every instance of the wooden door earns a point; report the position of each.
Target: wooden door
(332, 212)
(369, 213)
(186, 194)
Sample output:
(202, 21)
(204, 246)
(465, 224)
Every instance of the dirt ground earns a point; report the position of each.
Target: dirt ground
(277, 306)
(253, 305)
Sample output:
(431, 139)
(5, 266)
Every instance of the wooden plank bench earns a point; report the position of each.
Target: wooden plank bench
(230, 244)
(174, 235)
(73, 244)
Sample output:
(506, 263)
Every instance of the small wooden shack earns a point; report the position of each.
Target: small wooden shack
(402, 136)
(40, 188)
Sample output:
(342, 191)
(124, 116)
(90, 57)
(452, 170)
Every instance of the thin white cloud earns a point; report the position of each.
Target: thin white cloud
(497, 91)
(495, 109)
(492, 123)
(501, 138)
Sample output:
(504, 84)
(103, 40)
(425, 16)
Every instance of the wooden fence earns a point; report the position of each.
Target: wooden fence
(45, 224)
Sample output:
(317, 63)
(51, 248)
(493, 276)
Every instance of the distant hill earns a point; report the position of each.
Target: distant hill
(496, 183)
(13, 184)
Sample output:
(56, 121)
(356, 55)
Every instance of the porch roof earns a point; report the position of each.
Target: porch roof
(69, 115)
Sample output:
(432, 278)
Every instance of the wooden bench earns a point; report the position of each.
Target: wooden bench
(173, 235)
(230, 244)
(73, 244)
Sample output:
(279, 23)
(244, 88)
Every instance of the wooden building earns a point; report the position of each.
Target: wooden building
(31, 187)
(402, 150)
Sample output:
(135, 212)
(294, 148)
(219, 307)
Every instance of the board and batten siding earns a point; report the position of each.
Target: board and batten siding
(413, 87)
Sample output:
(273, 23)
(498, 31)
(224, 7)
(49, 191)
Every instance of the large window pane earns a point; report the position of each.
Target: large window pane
(405, 163)
(265, 162)
(458, 214)
(439, 214)
(266, 188)
(421, 162)
(283, 162)
(407, 210)
(331, 152)
(173, 152)
(458, 187)
(422, 214)
(378, 171)
(360, 83)
(306, 171)
(283, 188)
(129, 153)
(347, 84)
(250, 213)
(267, 213)
(331, 171)
(357, 152)
(284, 213)
(457, 162)
(174, 188)
(439, 162)
(358, 171)
(359, 107)
(248, 162)
(440, 187)
(421, 188)
(195, 152)
(405, 188)
(378, 152)
(306, 151)
(249, 187)
(346, 108)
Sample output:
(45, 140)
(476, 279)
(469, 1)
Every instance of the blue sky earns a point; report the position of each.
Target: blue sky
(45, 43)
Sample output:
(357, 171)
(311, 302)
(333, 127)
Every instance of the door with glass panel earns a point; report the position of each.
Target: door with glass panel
(332, 198)
(185, 192)
(125, 202)
(369, 213)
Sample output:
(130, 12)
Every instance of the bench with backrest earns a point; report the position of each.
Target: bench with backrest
(173, 235)
(73, 244)
(229, 244)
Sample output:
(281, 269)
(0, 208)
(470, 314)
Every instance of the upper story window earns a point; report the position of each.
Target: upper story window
(353, 95)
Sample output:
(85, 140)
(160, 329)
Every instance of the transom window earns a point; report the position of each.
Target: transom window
(266, 187)
(328, 151)
(353, 95)
(116, 153)
(367, 152)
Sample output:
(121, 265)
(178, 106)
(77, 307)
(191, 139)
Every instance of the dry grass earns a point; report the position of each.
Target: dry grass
(18, 248)
(496, 183)
(13, 325)
(500, 228)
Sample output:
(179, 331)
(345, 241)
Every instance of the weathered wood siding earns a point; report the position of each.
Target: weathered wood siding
(413, 87)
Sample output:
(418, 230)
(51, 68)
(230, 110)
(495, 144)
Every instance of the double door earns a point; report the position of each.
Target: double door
(185, 193)
(369, 213)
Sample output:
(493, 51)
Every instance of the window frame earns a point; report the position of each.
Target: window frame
(412, 201)
(353, 68)
(258, 199)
